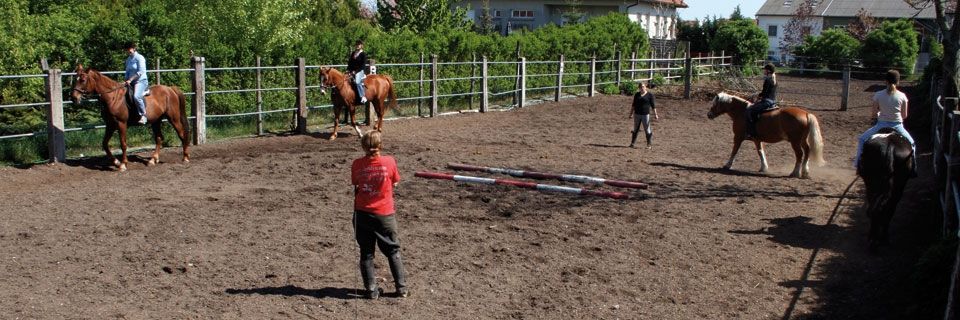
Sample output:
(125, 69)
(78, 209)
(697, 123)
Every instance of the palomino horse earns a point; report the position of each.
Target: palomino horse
(885, 165)
(796, 125)
(379, 87)
(163, 102)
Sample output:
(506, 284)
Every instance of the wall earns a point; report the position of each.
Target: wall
(816, 26)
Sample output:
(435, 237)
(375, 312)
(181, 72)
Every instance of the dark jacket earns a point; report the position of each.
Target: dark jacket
(643, 103)
(769, 91)
(357, 62)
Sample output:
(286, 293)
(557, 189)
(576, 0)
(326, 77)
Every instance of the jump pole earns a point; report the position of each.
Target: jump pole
(521, 184)
(543, 175)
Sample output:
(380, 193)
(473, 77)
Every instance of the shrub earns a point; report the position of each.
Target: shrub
(628, 87)
(743, 39)
(610, 88)
(834, 47)
(658, 80)
(893, 45)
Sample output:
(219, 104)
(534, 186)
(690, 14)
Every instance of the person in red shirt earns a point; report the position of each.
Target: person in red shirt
(374, 219)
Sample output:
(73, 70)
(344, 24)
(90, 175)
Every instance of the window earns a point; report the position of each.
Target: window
(805, 30)
(526, 14)
(771, 31)
(496, 13)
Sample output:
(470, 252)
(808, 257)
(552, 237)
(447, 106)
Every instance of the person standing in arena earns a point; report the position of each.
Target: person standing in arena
(374, 176)
(643, 104)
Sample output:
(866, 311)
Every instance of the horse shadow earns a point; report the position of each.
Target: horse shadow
(607, 145)
(797, 232)
(717, 170)
(102, 163)
(291, 290)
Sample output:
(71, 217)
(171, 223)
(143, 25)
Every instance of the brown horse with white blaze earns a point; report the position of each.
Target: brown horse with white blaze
(164, 102)
(793, 124)
(379, 88)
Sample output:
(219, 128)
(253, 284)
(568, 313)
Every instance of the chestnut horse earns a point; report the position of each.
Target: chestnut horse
(794, 124)
(164, 102)
(379, 87)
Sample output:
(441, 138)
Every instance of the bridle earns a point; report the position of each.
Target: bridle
(85, 92)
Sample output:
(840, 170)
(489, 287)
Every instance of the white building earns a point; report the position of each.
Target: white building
(658, 17)
(774, 15)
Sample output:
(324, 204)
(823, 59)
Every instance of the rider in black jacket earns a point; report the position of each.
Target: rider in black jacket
(356, 66)
(765, 100)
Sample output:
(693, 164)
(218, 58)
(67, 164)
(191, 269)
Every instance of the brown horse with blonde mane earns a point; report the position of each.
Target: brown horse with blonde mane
(793, 124)
(379, 88)
(164, 102)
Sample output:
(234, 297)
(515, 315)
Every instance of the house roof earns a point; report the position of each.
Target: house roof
(673, 3)
(849, 8)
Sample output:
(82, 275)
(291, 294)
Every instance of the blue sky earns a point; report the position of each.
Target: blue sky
(721, 8)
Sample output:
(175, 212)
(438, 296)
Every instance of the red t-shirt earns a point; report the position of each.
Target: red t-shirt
(374, 178)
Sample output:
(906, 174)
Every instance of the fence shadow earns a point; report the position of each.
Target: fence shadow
(291, 290)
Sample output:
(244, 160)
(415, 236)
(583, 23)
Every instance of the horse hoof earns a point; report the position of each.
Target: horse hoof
(123, 167)
(185, 160)
(726, 168)
(152, 162)
(333, 137)
(116, 163)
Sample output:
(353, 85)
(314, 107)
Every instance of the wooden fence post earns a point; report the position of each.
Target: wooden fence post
(651, 65)
(259, 99)
(523, 82)
(633, 66)
(302, 96)
(845, 96)
(473, 74)
(433, 85)
(420, 85)
(559, 80)
(56, 140)
(688, 79)
(593, 76)
(484, 86)
(619, 68)
(369, 106)
(199, 102)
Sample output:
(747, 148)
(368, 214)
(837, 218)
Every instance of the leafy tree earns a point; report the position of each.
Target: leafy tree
(421, 15)
(862, 25)
(737, 15)
(573, 13)
(892, 45)
(950, 41)
(485, 21)
(698, 33)
(798, 27)
(741, 38)
(834, 47)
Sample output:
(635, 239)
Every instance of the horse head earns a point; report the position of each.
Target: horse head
(724, 103)
(329, 78)
(81, 84)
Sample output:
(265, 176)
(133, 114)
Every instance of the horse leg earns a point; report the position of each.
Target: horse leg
(733, 154)
(107, 135)
(182, 134)
(123, 146)
(805, 165)
(762, 154)
(378, 107)
(336, 122)
(798, 165)
(158, 137)
(353, 121)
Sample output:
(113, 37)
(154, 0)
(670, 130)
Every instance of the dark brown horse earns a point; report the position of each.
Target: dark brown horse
(885, 166)
(379, 88)
(164, 102)
(793, 124)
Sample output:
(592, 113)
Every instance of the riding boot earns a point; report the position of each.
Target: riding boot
(633, 139)
(649, 139)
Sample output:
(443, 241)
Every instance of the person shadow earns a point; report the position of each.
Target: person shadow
(291, 290)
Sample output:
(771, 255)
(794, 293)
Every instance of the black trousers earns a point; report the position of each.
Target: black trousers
(373, 231)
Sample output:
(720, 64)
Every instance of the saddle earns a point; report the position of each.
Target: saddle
(132, 101)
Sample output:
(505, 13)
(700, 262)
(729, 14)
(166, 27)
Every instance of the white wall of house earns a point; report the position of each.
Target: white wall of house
(659, 21)
(773, 27)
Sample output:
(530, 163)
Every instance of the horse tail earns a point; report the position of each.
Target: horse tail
(184, 119)
(815, 139)
(393, 94)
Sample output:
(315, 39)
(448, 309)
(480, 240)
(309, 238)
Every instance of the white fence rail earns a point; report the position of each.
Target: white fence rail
(567, 75)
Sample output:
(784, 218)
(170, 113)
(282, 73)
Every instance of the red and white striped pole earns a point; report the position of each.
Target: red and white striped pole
(542, 175)
(522, 184)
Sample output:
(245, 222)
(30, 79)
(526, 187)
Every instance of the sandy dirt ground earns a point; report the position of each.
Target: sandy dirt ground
(260, 228)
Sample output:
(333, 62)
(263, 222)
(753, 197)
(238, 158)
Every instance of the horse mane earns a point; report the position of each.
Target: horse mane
(728, 98)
